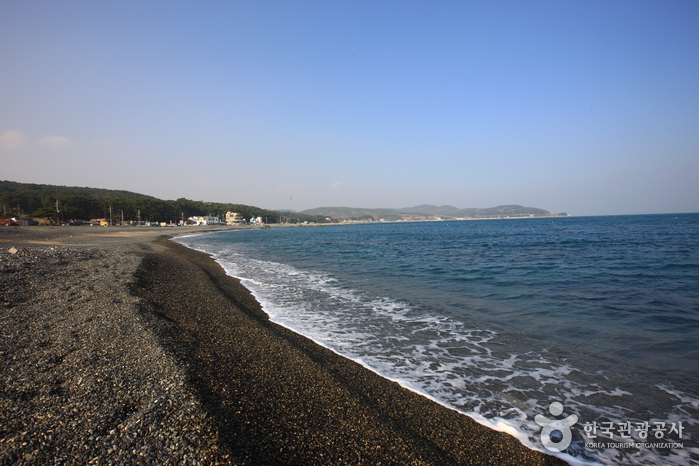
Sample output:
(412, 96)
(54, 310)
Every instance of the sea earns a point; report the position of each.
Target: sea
(501, 319)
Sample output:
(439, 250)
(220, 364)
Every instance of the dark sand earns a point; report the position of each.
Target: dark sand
(246, 391)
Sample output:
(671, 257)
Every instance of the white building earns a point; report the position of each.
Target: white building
(207, 220)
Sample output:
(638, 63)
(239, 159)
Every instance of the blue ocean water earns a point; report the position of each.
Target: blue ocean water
(500, 318)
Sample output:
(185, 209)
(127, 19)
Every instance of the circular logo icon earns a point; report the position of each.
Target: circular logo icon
(552, 425)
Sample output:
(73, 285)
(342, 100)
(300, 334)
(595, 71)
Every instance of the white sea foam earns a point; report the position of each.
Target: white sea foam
(466, 369)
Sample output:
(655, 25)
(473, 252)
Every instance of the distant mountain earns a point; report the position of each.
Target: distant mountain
(501, 211)
(425, 212)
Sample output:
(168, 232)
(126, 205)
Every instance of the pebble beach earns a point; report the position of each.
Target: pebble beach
(118, 346)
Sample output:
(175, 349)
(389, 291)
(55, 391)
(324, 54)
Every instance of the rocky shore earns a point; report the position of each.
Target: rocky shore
(129, 349)
(83, 378)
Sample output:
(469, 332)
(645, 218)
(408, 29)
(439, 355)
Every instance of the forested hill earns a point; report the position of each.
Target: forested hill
(46, 190)
(76, 203)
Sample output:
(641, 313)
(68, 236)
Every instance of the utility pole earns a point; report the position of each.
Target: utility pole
(110, 215)
(57, 211)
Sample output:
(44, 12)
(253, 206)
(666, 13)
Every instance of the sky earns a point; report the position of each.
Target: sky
(584, 107)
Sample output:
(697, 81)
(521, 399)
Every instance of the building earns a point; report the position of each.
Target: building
(205, 220)
(234, 218)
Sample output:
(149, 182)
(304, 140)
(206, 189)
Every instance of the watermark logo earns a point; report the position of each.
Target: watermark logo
(556, 425)
(556, 434)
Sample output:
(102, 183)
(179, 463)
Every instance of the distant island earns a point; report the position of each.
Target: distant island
(50, 204)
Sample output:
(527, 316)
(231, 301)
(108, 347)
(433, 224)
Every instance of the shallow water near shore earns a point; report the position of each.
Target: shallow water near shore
(500, 318)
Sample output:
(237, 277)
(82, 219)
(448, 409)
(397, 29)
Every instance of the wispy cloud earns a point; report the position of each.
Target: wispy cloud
(12, 139)
(55, 142)
(336, 184)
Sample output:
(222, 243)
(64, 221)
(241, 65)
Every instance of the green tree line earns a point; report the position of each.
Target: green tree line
(81, 204)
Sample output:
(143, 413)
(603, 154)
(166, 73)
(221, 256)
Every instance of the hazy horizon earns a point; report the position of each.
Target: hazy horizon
(589, 107)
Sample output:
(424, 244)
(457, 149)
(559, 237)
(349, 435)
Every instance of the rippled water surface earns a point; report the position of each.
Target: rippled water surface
(500, 318)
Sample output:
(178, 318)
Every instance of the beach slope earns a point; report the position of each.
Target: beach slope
(165, 358)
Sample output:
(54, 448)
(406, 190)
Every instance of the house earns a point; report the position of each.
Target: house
(234, 218)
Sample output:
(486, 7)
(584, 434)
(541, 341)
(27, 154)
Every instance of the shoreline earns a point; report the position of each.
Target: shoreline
(257, 392)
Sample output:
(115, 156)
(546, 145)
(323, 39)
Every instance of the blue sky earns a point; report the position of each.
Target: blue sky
(587, 107)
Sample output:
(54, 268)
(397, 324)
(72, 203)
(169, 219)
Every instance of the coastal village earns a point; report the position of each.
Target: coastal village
(231, 218)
